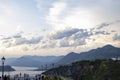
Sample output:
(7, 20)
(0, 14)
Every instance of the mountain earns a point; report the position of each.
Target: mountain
(9, 60)
(71, 57)
(35, 61)
(105, 52)
(7, 68)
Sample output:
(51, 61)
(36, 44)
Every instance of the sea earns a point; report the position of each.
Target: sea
(22, 71)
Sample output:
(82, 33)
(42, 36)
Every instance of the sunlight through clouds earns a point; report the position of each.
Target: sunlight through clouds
(56, 27)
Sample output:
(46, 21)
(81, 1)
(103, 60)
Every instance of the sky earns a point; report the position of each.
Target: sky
(57, 27)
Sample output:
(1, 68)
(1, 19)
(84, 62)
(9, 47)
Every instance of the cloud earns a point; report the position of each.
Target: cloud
(83, 33)
(63, 43)
(71, 42)
(63, 33)
(70, 37)
(117, 21)
(104, 25)
(6, 38)
(61, 16)
(74, 20)
(57, 9)
(55, 12)
(81, 14)
(6, 9)
(73, 37)
(102, 32)
(116, 37)
(18, 39)
(43, 6)
(113, 31)
(17, 36)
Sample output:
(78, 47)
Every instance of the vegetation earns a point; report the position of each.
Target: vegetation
(88, 70)
(55, 77)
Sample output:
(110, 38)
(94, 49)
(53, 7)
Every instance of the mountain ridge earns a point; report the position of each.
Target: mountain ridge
(34, 61)
(105, 52)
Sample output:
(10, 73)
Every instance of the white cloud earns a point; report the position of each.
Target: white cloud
(19, 39)
(80, 18)
(61, 16)
(63, 33)
(72, 39)
(81, 14)
(57, 10)
(6, 9)
(116, 37)
(19, 28)
(74, 20)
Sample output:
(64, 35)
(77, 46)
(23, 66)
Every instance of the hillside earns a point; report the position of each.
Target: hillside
(89, 70)
(7, 68)
(105, 52)
(71, 57)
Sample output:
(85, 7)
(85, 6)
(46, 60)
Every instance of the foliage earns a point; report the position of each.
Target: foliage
(53, 77)
(88, 70)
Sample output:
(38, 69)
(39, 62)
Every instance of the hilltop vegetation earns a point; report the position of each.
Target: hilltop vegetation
(88, 70)
(55, 77)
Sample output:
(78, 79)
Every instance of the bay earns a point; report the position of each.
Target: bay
(22, 71)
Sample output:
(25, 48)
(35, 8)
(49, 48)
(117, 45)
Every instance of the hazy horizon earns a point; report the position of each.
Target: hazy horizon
(57, 27)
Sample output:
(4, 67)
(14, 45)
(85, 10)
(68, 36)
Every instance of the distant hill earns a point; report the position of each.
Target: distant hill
(7, 68)
(35, 61)
(71, 57)
(8, 61)
(105, 52)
